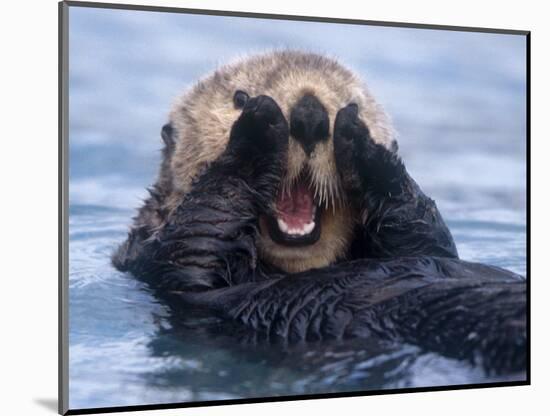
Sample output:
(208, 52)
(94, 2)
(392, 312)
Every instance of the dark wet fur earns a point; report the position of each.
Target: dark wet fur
(402, 280)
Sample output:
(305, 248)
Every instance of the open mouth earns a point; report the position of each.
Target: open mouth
(297, 217)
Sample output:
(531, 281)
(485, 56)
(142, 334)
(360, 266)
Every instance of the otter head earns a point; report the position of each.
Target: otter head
(312, 224)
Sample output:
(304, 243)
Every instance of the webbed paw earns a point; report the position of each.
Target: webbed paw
(258, 146)
(260, 131)
(363, 164)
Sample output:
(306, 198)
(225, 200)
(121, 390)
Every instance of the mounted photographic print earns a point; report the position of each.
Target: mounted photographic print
(260, 207)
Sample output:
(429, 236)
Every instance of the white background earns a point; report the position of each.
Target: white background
(28, 164)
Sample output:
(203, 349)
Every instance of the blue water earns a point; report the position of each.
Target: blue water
(458, 102)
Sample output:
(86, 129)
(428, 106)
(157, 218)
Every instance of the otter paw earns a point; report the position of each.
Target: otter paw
(363, 165)
(261, 130)
(351, 138)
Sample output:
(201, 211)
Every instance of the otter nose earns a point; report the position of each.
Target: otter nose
(309, 122)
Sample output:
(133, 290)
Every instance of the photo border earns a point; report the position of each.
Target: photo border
(63, 213)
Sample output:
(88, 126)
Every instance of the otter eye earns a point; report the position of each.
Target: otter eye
(240, 99)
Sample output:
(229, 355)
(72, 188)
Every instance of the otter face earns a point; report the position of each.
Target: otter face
(312, 224)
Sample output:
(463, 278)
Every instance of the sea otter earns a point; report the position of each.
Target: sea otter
(282, 203)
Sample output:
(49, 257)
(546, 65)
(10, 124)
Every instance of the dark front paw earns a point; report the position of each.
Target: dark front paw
(260, 133)
(350, 150)
(363, 165)
(258, 146)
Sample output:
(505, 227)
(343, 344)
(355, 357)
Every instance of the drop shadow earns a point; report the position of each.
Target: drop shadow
(49, 404)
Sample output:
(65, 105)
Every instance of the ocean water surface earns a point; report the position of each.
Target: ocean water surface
(458, 103)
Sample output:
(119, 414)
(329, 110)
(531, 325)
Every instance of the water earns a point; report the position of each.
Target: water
(458, 102)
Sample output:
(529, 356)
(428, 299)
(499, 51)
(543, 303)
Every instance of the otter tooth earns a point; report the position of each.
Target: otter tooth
(282, 225)
(309, 227)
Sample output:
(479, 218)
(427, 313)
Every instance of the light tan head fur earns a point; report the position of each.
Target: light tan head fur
(202, 118)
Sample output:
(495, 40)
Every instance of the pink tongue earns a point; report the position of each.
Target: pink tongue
(295, 207)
